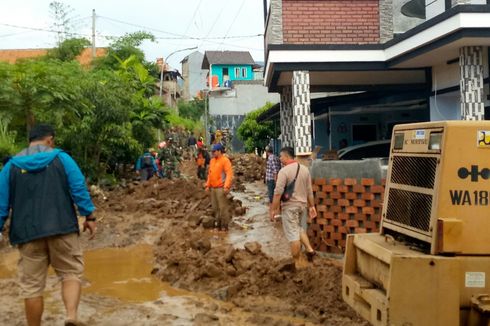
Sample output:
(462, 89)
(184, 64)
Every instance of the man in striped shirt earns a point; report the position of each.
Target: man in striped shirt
(273, 166)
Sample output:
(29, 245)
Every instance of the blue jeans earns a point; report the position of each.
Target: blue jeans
(271, 185)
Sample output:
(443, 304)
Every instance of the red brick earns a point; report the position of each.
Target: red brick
(315, 187)
(335, 195)
(342, 229)
(360, 230)
(377, 189)
(336, 222)
(350, 181)
(360, 217)
(336, 236)
(352, 224)
(376, 218)
(321, 208)
(320, 181)
(368, 210)
(328, 228)
(367, 196)
(383, 182)
(328, 201)
(359, 203)
(321, 195)
(314, 227)
(343, 202)
(351, 210)
(351, 195)
(328, 215)
(336, 209)
(370, 225)
(377, 203)
(321, 221)
(367, 181)
(343, 216)
(342, 189)
(327, 188)
(335, 181)
(358, 189)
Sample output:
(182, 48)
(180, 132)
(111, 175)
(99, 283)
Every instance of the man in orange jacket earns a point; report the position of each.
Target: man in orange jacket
(218, 184)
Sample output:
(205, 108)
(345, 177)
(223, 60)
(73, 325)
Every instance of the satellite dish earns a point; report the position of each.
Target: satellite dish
(414, 8)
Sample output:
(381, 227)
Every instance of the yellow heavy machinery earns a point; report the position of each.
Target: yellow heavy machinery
(429, 263)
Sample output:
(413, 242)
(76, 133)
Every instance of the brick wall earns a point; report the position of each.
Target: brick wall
(344, 206)
(331, 21)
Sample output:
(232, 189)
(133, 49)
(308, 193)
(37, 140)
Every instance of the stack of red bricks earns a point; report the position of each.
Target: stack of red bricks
(344, 206)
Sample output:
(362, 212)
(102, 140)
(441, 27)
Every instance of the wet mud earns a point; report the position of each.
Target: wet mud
(153, 263)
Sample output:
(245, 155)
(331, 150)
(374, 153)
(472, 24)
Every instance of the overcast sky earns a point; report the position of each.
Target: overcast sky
(209, 19)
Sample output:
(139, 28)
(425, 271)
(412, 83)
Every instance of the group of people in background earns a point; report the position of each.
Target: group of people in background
(164, 163)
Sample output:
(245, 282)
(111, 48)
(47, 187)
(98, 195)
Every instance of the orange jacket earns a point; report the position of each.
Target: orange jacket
(220, 173)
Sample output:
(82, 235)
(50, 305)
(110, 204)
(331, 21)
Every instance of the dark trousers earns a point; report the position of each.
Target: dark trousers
(201, 172)
(146, 173)
(271, 185)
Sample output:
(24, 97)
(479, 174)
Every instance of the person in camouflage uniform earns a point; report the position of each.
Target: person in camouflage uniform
(170, 156)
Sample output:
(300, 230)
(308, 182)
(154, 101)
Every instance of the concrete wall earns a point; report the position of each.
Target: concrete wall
(369, 168)
(232, 122)
(228, 109)
(194, 77)
(386, 14)
(248, 97)
(273, 33)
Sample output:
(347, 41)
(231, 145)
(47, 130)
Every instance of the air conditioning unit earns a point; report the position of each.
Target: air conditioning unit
(438, 186)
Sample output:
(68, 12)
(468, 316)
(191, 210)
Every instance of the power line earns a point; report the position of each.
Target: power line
(234, 19)
(176, 35)
(193, 17)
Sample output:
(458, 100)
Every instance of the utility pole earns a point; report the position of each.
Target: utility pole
(93, 34)
(265, 11)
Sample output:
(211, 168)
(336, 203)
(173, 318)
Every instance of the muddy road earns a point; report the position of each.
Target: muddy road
(153, 263)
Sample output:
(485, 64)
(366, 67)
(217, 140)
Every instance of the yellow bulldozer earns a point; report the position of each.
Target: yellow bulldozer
(429, 263)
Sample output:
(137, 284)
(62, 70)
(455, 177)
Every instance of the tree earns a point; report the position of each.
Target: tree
(193, 110)
(256, 135)
(60, 13)
(123, 48)
(69, 49)
(43, 90)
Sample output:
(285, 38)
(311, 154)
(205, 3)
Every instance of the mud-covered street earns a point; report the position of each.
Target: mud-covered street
(153, 262)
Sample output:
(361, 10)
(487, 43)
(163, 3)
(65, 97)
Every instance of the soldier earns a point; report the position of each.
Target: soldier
(170, 156)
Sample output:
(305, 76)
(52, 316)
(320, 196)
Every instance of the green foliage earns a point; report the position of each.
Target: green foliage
(123, 48)
(69, 49)
(179, 121)
(7, 138)
(256, 135)
(193, 110)
(104, 117)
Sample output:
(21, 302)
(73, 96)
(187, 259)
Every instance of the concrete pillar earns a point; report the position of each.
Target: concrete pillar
(471, 83)
(301, 109)
(286, 116)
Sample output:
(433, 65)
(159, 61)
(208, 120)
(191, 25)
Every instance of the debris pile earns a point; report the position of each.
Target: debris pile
(250, 279)
(178, 198)
(247, 168)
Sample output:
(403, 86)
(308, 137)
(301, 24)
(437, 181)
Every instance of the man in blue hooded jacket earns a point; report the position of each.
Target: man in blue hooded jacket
(39, 188)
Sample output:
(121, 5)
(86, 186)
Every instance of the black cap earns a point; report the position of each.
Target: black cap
(41, 131)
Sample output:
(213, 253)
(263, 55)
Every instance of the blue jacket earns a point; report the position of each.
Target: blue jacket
(38, 161)
(139, 162)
